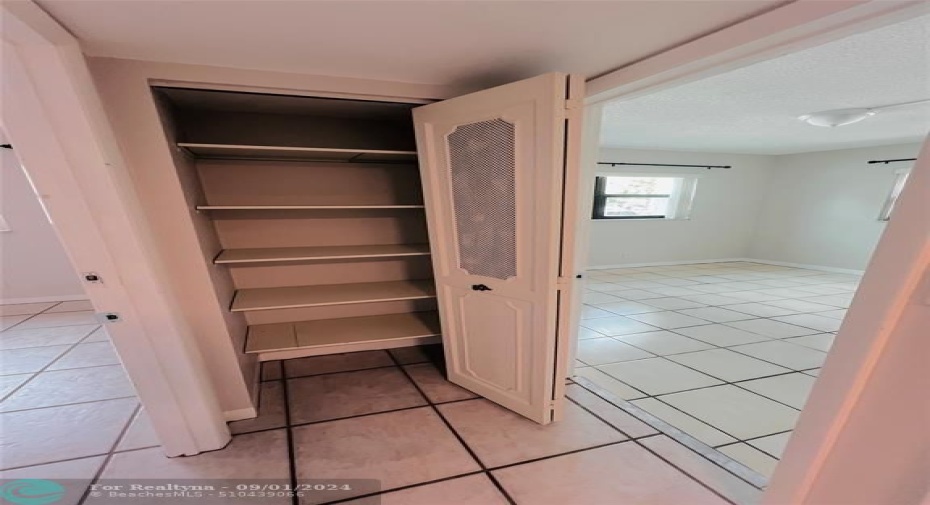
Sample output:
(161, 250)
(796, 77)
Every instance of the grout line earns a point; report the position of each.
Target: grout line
(289, 432)
(718, 458)
(692, 477)
(284, 375)
(455, 433)
(68, 404)
(109, 456)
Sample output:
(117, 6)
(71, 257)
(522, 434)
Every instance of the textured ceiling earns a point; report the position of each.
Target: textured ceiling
(460, 43)
(754, 109)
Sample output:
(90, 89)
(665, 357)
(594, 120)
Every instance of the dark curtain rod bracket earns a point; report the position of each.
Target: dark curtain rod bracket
(613, 164)
(891, 161)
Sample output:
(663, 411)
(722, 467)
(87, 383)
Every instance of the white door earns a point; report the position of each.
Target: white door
(499, 173)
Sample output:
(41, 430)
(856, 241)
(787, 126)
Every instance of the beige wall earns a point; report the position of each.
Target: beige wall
(34, 264)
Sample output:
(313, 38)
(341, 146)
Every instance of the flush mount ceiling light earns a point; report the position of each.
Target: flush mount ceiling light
(842, 117)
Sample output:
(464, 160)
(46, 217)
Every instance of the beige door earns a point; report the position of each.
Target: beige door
(495, 168)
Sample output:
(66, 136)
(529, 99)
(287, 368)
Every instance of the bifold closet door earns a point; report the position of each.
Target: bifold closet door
(495, 167)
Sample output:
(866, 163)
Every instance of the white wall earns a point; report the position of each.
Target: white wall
(33, 263)
(822, 208)
(726, 205)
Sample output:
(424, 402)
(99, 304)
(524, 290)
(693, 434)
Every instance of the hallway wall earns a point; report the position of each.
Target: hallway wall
(34, 264)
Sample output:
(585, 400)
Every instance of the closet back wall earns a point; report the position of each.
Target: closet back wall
(726, 205)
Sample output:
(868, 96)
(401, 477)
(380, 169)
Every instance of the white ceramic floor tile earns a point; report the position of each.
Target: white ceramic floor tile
(684, 422)
(332, 396)
(713, 299)
(86, 355)
(716, 314)
(727, 365)
(98, 335)
(674, 290)
(805, 305)
(18, 339)
(47, 320)
(592, 312)
(24, 309)
(11, 321)
(720, 335)
(735, 411)
(708, 473)
(821, 342)
(609, 412)
(618, 474)
(600, 298)
(635, 294)
(500, 437)
(8, 383)
(609, 383)
(30, 359)
(470, 490)
(752, 296)
(760, 309)
(664, 342)
(668, 320)
(32, 437)
(618, 325)
(435, 386)
(791, 389)
(140, 434)
(814, 321)
(70, 386)
(813, 373)
(382, 447)
(772, 329)
(586, 333)
(835, 314)
(658, 375)
(751, 457)
(336, 363)
(627, 307)
(600, 351)
(773, 445)
(672, 303)
(785, 354)
(72, 306)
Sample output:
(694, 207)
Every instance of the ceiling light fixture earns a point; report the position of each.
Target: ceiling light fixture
(842, 117)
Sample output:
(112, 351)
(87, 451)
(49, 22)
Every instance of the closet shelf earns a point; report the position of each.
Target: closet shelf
(331, 294)
(304, 207)
(227, 151)
(282, 254)
(326, 336)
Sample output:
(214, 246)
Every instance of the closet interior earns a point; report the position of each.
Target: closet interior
(310, 212)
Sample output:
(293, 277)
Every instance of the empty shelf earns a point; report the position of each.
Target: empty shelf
(264, 338)
(331, 294)
(298, 153)
(304, 207)
(281, 254)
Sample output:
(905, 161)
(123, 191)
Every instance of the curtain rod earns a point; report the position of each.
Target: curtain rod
(892, 161)
(613, 164)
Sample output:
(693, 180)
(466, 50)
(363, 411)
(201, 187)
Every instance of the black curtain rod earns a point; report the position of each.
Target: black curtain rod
(892, 161)
(613, 164)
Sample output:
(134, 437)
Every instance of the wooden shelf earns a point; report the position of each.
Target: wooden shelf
(226, 151)
(283, 254)
(348, 334)
(331, 294)
(305, 207)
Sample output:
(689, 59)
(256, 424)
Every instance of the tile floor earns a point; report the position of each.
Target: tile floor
(68, 413)
(725, 352)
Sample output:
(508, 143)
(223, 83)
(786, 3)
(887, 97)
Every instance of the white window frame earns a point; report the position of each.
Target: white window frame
(680, 200)
(899, 182)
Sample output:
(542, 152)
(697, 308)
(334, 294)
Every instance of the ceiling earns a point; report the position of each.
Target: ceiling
(460, 43)
(754, 109)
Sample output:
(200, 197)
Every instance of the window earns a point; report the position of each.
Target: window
(899, 182)
(637, 197)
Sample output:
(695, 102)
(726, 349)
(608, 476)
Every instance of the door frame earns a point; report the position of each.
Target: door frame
(53, 117)
(892, 278)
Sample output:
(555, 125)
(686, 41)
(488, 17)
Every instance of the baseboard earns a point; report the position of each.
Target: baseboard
(41, 299)
(822, 268)
(664, 263)
(240, 414)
